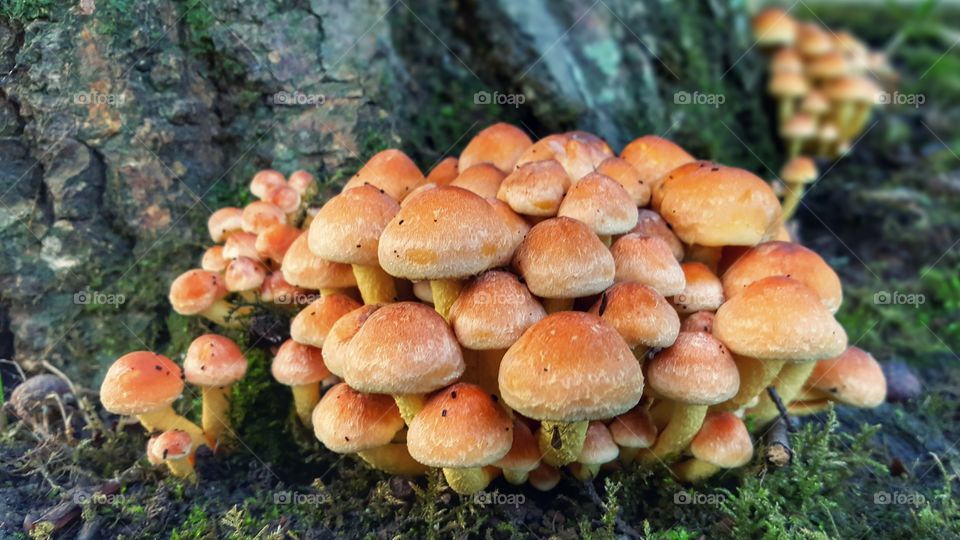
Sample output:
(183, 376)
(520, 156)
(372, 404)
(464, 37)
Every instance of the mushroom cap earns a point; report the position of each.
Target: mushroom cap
(570, 366)
(286, 198)
(714, 205)
(813, 41)
(855, 89)
(223, 222)
(444, 172)
(778, 258)
(779, 318)
(828, 132)
(627, 176)
(300, 267)
(444, 233)
(650, 223)
(578, 152)
(723, 440)
(172, 444)
(640, 314)
(277, 290)
(854, 378)
(313, 323)
(214, 360)
(301, 181)
(536, 188)
(815, 103)
(601, 203)
(348, 228)
(516, 225)
(196, 290)
(697, 370)
(701, 321)
(634, 428)
(296, 364)
(647, 260)
(544, 477)
(151, 457)
(418, 190)
(140, 382)
(799, 126)
(423, 291)
(799, 170)
(493, 310)
(403, 348)
(336, 344)
(244, 274)
(483, 179)
(274, 241)
(347, 421)
(459, 427)
(562, 258)
(786, 60)
(702, 292)
(390, 170)
(213, 260)
(598, 446)
(241, 244)
(654, 157)
(265, 181)
(829, 65)
(260, 215)
(774, 26)
(500, 145)
(788, 84)
(524, 454)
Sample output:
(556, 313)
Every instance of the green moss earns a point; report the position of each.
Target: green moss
(23, 11)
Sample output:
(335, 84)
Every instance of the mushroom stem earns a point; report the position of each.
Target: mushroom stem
(553, 305)
(685, 421)
(376, 286)
(789, 382)
(845, 117)
(794, 145)
(216, 409)
(755, 376)
(695, 470)
(561, 442)
(791, 201)
(166, 419)
(410, 405)
(329, 291)
(584, 472)
(516, 476)
(825, 148)
(707, 255)
(182, 468)
(226, 314)
(808, 407)
(785, 108)
(393, 459)
(628, 454)
(445, 293)
(469, 480)
(305, 399)
(859, 118)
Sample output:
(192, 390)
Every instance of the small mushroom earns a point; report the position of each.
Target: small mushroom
(598, 449)
(390, 171)
(301, 368)
(602, 204)
(633, 431)
(175, 448)
(523, 457)
(500, 145)
(214, 363)
(444, 172)
(722, 443)
(301, 268)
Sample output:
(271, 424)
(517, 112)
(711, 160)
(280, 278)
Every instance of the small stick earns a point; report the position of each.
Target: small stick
(778, 452)
(781, 408)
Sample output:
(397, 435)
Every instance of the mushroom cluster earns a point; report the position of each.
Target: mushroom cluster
(525, 307)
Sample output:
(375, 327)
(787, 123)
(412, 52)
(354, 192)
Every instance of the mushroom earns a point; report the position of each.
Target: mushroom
(336, 342)
(523, 457)
(774, 27)
(274, 241)
(560, 260)
(145, 384)
(697, 371)
(654, 157)
(348, 229)
(245, 276)
(598, 449)
(640, 315)
(313, 323)
(444, 172)
(786, 60)
(578, 152)
(545, 477)
(816, 105)
(275, 289)
(516, 225)
(288, 200)
(304, 183)
(500, 145)
(650, 223)
(722, 443)
(564, 371)
(266, 181)
(602, 204)
(214, 363)
(535, 189)
(213, 260)
(633, 431)
(828, 66)
(301, 368)
(796, 174)
(627, 176)
(813, 41)
(260, 215)
(301, 268)
(444, 235)
(199, 292)
(224, 222)
(701, 321)
(464, 430)
(797, 130)
(483, 179)
(241, 244)
(827, 137)
(702, 290)
(647, 260)
(787, 87)
(391, 171)
(853, 98)
(853, 378)
(175, 448)
(490, 315)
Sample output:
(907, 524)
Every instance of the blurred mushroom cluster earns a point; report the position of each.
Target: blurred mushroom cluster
(524, 308)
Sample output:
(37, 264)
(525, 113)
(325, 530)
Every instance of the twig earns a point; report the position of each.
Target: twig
(781, 408)
(778, 452)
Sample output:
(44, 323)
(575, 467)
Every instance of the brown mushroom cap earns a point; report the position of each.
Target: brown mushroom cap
(265, 181)
(713, 205)
(723, 440)
(444, 172)
(301, 181)
(302, 268)
(785, 259)
(483, 179)
(500, 145)
(347, 421)
(640, 315)
(570, 366)
(313, 323)
(348, 228)
(701, 321)
(172, 444)
(244, 274)
(223, 222)
(336, 344)
(634, 428)
(535, 189)
(702, 292)
(273, 242)
(815, 104)
(493, 310)
(773, 26)
(524, 454)
(649, 223)
(813, 41)
(277, 290)
(854, 378)
(799, 170)
(444, 233)
(259, 215)
(628, 176)
(786, 60)
(855, 89)
(601, 203)
(598, 445)
(697, 370)
(563, 258)
(654, 157)
(390, 170)
(578, 152)
(213, 260)
(779, 318)
(403, 348)
(788, 85)
(140, 382)
(151, 457)
(286, 198)
(799, 126)
(544, 477)
(460, 426)
(214, 360)
(649, 261)
(196, 290)
(516, 225)
(241, 244)
(296, 364)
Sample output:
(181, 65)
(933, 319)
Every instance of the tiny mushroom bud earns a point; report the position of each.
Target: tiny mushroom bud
(214, 363)
(175, 447)
(199, 292)
(245, 275)
(523, 457)
(723, 442)
(301, 368)
(633, 431)
(241, 244)
(213, 260)
(304, 183)
(797, 130)
(259, 215)
(224, 222)
(598, 448)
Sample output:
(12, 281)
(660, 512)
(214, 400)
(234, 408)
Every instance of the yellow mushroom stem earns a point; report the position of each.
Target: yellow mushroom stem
(660, 413)
(469, 480)
(226, 314)
(182, 468)
(785, 108)
(825, 147)
(376, 286)
(329, 291)
(695, 470)
(560, 443)
(808, 407)
(755, 376)
(553, 305)
(305, 399)
(860, 116)
(685, 422)
(583, 471)
(165, 419)
(628, 454)
(846, 111)
(789, 382)
(516, 477)
(409, 405)
(709, 256)
(445, 292)
(791, 201)
(393, 458)
(216, 410)
(794, 147)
